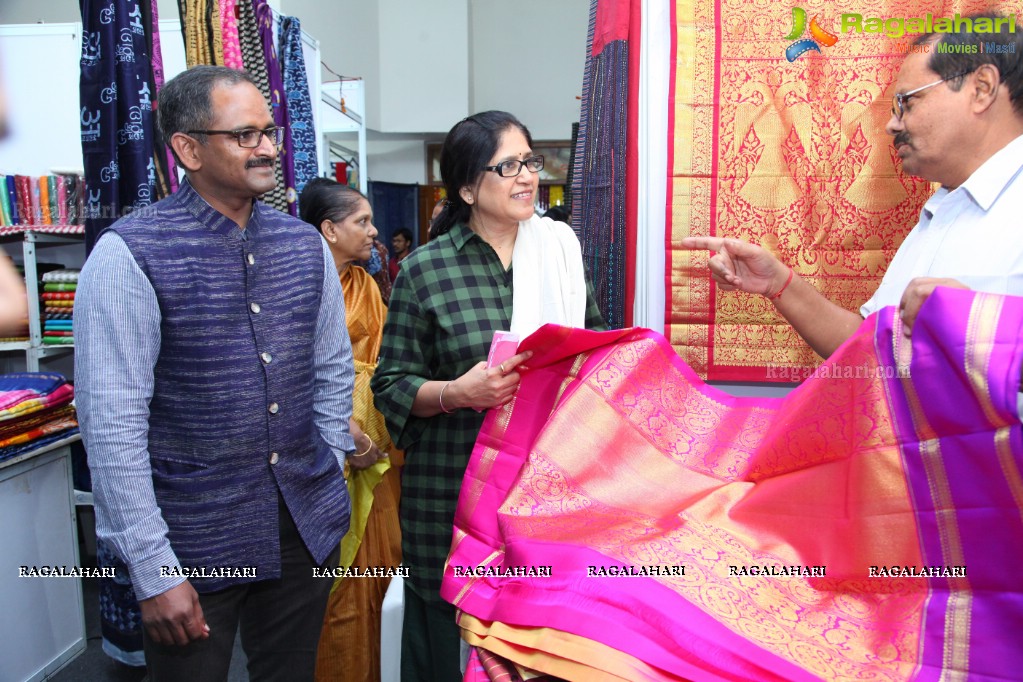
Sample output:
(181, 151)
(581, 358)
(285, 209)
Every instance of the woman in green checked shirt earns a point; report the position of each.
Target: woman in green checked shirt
(491, 265)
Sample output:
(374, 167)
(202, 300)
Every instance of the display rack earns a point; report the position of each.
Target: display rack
(39, 529)
(342, 109)
(32, 238)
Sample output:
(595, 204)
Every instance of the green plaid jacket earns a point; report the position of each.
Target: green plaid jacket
(449, 298)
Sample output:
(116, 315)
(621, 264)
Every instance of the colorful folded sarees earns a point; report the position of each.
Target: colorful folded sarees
(27, 392)
(34, 411)
(11, 429)
(59, 287)
(621, 520)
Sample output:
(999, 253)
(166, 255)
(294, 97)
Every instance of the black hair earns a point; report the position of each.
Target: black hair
(326, 199)
(959, 61)
(557, 213)
(467, 149)
(185, 102)
(403, 232)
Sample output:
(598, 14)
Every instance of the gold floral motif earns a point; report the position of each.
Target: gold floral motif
(675, 504)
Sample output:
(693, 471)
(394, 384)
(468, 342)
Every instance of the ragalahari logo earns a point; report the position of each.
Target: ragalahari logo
(804, 45)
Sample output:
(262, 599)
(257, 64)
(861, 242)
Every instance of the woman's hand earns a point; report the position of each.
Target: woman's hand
(367, 452)
(481, 388)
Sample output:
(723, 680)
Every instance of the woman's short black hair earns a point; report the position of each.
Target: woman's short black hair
(467, 149)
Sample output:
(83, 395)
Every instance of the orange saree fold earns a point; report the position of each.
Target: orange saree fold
(350, 641)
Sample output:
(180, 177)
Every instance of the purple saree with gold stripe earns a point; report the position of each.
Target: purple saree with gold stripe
(621, 520)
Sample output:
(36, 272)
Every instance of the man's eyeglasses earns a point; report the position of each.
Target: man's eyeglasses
(512, 167)
(899, 101)
(248, 138)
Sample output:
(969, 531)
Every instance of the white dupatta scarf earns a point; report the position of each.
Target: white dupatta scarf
(547, 277)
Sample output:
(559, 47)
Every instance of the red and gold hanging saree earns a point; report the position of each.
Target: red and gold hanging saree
(621, 520)
(777, 137)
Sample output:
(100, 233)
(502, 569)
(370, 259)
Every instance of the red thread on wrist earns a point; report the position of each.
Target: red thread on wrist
(783, 286)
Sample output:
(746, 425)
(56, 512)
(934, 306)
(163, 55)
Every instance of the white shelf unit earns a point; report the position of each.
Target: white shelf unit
(37, 349)
(34, 348)
(339, 123)
(47, 619)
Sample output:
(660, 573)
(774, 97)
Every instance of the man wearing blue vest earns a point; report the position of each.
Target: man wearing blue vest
(214, 380)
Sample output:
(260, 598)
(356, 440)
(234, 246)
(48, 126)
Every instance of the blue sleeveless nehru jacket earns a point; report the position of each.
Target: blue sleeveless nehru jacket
(231, 418)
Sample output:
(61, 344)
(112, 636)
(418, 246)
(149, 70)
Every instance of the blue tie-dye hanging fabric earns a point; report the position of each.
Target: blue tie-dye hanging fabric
(118, 133)
(116, 113)
(301, 133)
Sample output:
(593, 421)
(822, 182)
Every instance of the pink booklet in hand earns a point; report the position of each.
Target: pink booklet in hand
(504, 345)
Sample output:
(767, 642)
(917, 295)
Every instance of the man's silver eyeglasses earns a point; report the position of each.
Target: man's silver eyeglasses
(248, 138)
(512, 167)
(899, 101)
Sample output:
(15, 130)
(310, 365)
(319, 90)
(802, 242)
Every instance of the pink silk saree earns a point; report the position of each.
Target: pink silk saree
(614, 458)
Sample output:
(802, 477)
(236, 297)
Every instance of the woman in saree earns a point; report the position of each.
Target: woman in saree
(350, 641)
(492, 265)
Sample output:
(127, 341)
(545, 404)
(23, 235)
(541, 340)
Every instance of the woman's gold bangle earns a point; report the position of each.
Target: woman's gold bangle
(368, 447)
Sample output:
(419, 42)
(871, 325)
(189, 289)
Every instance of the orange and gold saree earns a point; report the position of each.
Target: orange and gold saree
(350, 640)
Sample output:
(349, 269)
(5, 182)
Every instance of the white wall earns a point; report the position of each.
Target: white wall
(32, 149)
(528, 58)
(348, 31)
(35, 11)
(424, 65)
(427, 64)
(398, 159)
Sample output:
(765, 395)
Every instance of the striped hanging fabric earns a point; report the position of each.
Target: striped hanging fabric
(599, 191)
(200, 33)
(284, 170)
(166, 171)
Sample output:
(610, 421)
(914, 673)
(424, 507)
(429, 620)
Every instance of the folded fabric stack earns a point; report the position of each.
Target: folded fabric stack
(59, 303)
(35, 409)
(40, 201)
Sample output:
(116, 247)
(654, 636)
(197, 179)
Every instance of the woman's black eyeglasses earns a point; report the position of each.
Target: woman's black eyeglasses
(512, 167)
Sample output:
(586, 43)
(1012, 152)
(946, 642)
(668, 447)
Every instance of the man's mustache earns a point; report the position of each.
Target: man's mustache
(901, 138)
(261, 161)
